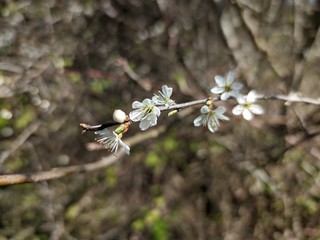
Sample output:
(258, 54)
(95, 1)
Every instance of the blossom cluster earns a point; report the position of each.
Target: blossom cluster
(228, 88)
(145, 112)
(148, 111)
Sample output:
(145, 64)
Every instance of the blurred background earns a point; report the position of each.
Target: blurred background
(73, 61)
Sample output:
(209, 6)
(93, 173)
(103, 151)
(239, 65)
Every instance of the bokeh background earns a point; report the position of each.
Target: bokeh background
(66, 62)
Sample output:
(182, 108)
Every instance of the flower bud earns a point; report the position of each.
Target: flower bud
(119, 116)
(173, 112)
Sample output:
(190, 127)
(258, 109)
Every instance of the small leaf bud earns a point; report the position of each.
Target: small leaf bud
(119, 116)
(171, 113)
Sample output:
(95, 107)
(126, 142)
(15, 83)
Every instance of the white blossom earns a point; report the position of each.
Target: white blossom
(111, 141)
(163, 99)
(227, 87)
(210, 117)
(246, 106)
(119, 116)
(146, 112)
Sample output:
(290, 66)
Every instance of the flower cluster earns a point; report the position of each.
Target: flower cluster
(148, 111)
(145, 112)
(228, 88)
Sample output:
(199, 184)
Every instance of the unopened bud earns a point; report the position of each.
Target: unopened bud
(119, 116)
(173, 112)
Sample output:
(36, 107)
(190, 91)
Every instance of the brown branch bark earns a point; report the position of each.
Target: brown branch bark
(55, 173)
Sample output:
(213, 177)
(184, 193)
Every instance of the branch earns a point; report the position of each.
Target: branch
(55, 173)
(291, 98)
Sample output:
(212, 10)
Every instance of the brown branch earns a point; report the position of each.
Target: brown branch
(291, 98)
(55, 173)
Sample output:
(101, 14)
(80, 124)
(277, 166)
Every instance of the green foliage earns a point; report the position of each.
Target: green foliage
(27, 116)
(154, 222)
(99, 85)
(111, 176)
(308, 204)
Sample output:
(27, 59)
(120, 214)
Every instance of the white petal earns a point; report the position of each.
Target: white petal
(157, 100)
(198, 121)
(147, 102)
(237, 86)
(205, 109)
(137, 104)
(214, 120)
(247, 115)
(153, 120)
(236, 94)
(104, 132)
(241, 99)
(156, 111)
(144, 124)
(221, 116)
(169, 103)
(220, 110)
(212, 126)
(251, 97)
(167, 91)
(125, 147)
(256, 109)
(224, 96)
(219, 81)
(217, 90)
(136, 115)
(237, 110)
(230, 78)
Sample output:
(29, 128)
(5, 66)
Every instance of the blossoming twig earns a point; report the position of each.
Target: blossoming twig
(148, 110)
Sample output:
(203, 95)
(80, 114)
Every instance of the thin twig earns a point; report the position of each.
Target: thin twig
(184, 105)
(55, 173)
(291, 98)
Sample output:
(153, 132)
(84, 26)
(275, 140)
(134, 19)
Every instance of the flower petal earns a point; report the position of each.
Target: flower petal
(144, 124)
(136, 115)
(256, 109)
(224, 96)
(157, 100)
(125, 147)
(229, 78)
(247, 115)
(220, 110)
(137, 104)
(153, 120)
(167, 91)
(205, 109)
(156, 111)
(219, 81)
(198, 121)
(241, 99)
(217, 90)
(212, 126)
(237, 110)
(237, 86)
(251, 97)
(147, 102)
